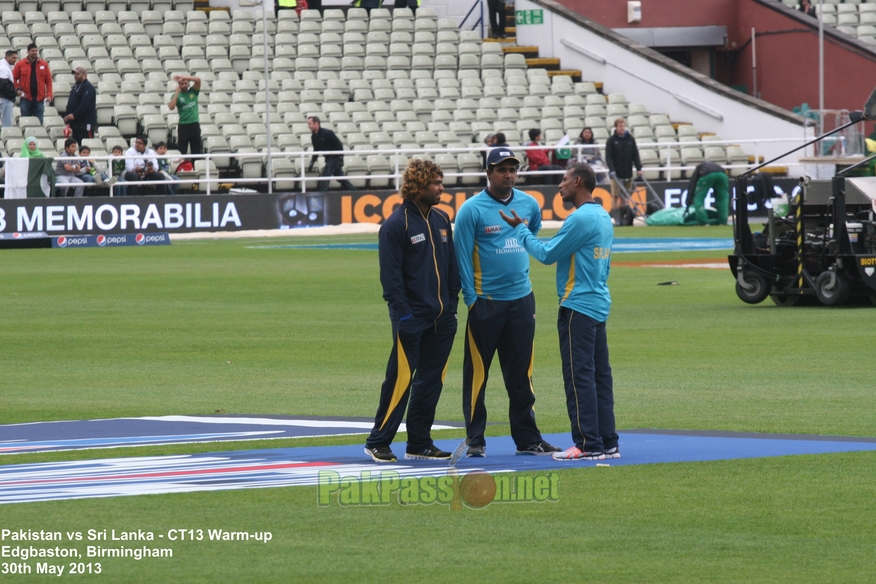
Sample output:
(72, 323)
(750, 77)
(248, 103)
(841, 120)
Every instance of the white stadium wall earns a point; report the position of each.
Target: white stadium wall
(645, 76)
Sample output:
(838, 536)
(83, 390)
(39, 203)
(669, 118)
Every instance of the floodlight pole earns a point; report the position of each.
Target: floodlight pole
(268, 169)
(754, 62)
(821, 60)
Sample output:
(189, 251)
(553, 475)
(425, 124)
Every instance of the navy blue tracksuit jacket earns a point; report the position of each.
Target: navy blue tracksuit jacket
(428, 285)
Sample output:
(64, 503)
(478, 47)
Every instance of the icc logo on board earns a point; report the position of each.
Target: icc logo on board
(16, 235)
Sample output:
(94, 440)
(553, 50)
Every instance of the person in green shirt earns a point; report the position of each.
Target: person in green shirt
(118, 169)
(186, 98)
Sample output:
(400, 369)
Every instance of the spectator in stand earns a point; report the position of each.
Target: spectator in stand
(186, 97)
(30, 149)
(90, 173)
(142, 167)
(7, 88)
(539, 159)
(412, 4)
(489, 140)
(284, 5)
(164, 167)
(497, 15)
(33, 79)
(621, 154)
(82, 107)
(499, 141)
(324, 140)
(591, 149)
(67, 171)
(807, 8)
(368, 5)
(117, 166)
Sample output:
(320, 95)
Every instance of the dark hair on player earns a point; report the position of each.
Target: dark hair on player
(586, 174)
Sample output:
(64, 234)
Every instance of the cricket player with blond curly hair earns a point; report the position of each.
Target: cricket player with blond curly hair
(420, 279)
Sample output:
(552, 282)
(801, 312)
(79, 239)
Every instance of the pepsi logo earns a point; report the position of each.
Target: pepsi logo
(140, 239)
(62, 241)
(101, 240)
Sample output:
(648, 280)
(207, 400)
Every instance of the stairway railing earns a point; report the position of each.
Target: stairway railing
(480, 13)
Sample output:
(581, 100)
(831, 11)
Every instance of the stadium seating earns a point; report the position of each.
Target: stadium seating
(386, 81)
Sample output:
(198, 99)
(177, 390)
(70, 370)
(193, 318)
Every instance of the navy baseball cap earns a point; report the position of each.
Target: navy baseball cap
(499, 155)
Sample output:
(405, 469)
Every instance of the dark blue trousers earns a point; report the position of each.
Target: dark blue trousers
(587, 376)
(334, 166)
(415, 370)
(506, 327)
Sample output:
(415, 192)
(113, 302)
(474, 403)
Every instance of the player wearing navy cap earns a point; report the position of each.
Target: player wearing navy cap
(494, 272)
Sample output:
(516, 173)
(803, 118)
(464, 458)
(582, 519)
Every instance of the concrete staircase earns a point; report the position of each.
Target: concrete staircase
(509, 45)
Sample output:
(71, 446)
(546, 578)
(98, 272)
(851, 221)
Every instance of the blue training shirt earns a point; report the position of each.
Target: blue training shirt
(582, 252)
(492, 262)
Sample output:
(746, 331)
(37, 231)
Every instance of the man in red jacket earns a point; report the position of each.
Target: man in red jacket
(539, 159)
(33, 80)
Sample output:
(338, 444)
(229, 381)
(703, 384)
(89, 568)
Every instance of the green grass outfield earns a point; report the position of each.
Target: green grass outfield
(216, 325)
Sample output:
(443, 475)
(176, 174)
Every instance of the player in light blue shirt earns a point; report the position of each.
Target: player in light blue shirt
(494, 273)
(582, 252)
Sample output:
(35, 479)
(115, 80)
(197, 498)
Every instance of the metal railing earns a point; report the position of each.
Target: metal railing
(479, 5)
(396, 158)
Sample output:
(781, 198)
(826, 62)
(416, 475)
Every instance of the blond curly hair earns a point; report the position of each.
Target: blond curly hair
(418, 175)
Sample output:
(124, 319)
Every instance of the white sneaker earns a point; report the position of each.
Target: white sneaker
(575, 453)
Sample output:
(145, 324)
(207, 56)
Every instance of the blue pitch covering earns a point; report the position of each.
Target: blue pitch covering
(300, 466)
(117, 432)
(621, 245)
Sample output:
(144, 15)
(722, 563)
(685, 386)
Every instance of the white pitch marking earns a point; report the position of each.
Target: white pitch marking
(275, 422)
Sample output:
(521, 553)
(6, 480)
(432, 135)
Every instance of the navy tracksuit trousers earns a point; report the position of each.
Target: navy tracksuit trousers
(506, 327)
(420, 351)
(588, 381)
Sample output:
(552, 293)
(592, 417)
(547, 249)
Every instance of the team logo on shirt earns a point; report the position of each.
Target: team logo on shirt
(493, 228)
(511, 246)
(418, 238)
(443, 233)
